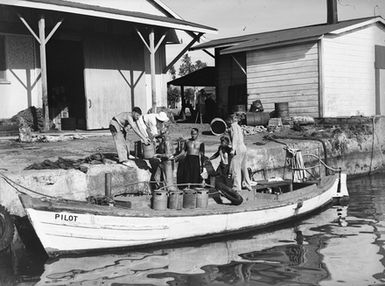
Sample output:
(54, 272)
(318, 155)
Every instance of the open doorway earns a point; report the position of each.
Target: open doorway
(66, 97)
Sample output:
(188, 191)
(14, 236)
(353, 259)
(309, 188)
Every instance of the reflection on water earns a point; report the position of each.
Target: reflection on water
(340, 245)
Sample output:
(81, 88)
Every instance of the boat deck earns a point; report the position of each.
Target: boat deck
(141, 206)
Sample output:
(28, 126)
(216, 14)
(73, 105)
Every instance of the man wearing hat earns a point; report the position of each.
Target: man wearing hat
(150, 124)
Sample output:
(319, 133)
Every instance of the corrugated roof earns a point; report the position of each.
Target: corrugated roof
(202, 77)
(110, 13)
(241, 43)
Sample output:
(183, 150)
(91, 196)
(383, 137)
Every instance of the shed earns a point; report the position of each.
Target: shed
(325, 70)
(86, 59)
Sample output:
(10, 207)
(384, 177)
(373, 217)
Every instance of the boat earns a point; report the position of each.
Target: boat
(74, 227)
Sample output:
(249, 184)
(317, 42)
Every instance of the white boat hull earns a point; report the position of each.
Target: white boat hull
(67, 231)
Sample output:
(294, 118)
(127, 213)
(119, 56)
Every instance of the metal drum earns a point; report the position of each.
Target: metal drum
(159, 200)
(175, 200)
(282, 109)
(257, 118)
(218, 126)
(202, 198)
(138, 149)
(189, 199)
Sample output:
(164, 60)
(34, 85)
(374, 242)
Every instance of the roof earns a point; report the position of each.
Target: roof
(110, 13)
(281, 37)
(202, 77)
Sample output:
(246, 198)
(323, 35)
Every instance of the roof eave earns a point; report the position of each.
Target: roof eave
(107, 15)
(234, 50)
(357, 26)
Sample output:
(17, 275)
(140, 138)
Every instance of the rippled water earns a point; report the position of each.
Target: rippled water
(338, 246)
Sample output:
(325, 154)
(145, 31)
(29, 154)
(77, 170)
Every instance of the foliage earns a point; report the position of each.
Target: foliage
(172, 71)
(188, 66)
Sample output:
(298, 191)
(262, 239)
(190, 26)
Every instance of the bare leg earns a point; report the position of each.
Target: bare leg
(245, 174)
(235, 171)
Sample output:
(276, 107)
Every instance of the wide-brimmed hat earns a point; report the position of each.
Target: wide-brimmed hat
(162, 116)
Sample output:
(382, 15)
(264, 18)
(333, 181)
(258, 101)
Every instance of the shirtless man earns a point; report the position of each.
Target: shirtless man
(189, 169)
(119, 126)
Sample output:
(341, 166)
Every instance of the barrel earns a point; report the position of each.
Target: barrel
(257, 118)
(202, 198)
(282, 109)
(159, 200)
(148, 151)
(189, 199)
(218, 126)
(175, 200)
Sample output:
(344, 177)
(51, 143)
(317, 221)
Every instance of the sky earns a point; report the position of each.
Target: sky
(242, 17)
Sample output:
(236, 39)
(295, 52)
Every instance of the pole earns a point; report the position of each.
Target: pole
(152, 67)
(107, 189)
(43, 67)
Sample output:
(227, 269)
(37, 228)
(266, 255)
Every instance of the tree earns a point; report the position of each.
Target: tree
(187, 66)
(172, 71)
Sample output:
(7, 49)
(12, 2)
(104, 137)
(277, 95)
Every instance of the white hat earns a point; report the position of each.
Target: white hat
(162, 116)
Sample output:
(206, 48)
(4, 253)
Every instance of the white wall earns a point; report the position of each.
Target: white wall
(349, 73)
(23, 86)
(285, 74)
(114, 71)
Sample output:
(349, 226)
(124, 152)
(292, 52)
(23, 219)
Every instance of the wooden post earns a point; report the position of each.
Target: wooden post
(183, 101)
(107, 189)
(152, 68)
(43, 67)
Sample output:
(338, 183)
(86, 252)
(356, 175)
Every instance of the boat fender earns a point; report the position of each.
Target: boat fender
(299, 205)
(6, 228)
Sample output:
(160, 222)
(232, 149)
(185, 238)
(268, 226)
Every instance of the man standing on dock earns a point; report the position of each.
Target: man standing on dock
(119, 126)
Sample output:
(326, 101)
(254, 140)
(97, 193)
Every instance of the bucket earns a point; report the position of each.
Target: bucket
(189, 199)
(281, 109)
(148, 151)
(257, 118)
(218, 126)
(202, 198)
(175, 200)
(159, 200)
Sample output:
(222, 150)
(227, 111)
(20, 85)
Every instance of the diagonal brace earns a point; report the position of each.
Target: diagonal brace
(189, 45)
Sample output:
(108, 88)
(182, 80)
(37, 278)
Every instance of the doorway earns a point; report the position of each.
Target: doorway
(65, 77)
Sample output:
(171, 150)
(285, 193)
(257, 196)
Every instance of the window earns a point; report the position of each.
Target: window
(3, 67)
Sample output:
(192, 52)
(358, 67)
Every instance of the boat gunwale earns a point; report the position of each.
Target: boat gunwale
(50, 205)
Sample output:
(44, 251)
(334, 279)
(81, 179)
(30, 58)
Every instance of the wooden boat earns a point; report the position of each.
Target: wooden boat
(73, 227)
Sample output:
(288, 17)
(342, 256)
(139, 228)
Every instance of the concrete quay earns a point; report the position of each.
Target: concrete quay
(356, 152)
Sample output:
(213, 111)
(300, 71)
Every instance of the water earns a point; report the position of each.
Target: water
(338, 246)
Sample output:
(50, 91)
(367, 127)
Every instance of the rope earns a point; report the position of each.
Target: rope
(12, 183)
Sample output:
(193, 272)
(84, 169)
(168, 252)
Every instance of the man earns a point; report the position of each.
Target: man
(189, 169)
(149, 124)
(119, 126)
